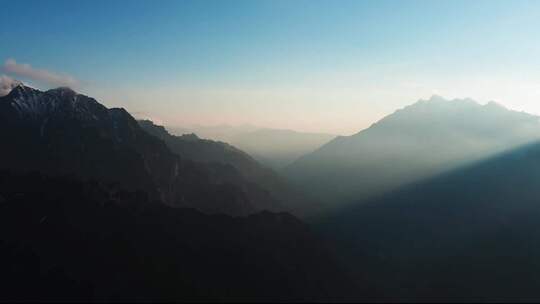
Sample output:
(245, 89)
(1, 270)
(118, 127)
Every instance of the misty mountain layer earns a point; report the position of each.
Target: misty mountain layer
(418, 141)
(468, 235)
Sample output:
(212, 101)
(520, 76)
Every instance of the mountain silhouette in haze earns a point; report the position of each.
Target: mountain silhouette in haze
(60, 132)
(95, 208)
(281, 195)
(470, 234)
(418, 141)
(274, 148)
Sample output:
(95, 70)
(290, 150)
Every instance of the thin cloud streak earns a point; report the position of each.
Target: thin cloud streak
(45, 77)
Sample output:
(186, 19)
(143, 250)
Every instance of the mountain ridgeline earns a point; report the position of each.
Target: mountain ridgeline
(94, 207)
(422, 140)
(63, 133)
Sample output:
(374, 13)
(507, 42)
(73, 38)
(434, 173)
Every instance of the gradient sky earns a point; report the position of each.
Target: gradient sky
(329, 66)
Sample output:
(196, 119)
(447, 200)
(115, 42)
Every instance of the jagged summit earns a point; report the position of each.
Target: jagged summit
(64, 102)
(21, 89)
(437, 100)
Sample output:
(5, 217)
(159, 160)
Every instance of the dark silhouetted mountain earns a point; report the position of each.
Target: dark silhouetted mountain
(60, 132)
(274, 148)
(66, 240)
(471, 234)
(191, 147)
(421, 140)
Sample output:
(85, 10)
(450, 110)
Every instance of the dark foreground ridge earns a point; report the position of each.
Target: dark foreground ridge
(67, 240)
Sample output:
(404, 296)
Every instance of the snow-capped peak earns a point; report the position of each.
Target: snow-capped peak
(60, 102)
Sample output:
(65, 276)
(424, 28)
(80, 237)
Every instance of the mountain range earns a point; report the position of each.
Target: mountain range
(61, 132)
(95, 207)
(435, 202)
(421, 140)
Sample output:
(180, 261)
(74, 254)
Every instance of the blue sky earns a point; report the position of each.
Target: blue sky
(331, 66)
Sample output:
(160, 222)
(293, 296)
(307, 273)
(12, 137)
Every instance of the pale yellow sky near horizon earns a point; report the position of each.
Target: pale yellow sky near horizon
(334, 110)
(340, 102)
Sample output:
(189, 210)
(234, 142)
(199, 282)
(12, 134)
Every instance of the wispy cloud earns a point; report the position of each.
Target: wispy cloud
(24, 70)
(6, 84)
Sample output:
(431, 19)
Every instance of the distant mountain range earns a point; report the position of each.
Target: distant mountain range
(419, 141)
(275, 148)
(471, 234)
